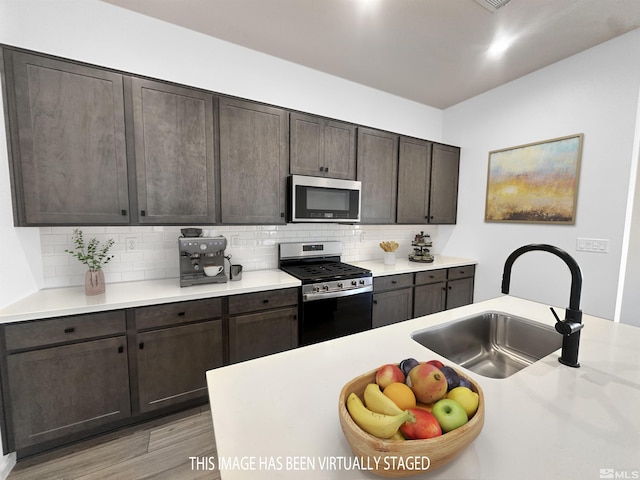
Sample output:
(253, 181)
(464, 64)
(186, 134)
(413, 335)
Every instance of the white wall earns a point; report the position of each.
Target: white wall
(595, 93)
(628, 298)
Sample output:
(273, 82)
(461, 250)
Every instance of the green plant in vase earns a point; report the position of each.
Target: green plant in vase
(94, 256)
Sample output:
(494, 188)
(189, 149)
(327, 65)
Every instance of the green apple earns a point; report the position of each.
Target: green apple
(450, 414)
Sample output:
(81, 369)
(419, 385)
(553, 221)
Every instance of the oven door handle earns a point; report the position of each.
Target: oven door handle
(312, 297)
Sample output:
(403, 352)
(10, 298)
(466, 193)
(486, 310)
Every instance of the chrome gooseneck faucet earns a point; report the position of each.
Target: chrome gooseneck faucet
(570, 327)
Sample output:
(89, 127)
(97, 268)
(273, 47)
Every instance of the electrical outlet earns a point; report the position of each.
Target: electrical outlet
(595, 245)
(131, 244)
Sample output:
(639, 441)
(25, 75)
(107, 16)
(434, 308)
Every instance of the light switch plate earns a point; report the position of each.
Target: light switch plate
(595, 245)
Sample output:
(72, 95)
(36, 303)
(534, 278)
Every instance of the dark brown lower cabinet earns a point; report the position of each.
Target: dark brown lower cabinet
(392, 307)
(67, 378)
(63, 390)
(400, 297)
(263, 333)
(460, 285)
(430, 299)
(459, 292)
(172, 363)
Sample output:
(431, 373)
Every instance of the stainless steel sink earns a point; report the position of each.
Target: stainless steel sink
(492, 344)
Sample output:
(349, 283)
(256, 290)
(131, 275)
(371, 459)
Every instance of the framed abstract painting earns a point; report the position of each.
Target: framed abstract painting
(535, 183)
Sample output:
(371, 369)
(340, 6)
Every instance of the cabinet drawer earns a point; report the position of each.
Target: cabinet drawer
(431, 276)
(157, 316)
(462, 272)
(250, 302)
(66, 329)
(391, 282)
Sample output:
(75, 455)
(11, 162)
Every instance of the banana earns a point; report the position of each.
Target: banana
(378, 402)
(377, 424)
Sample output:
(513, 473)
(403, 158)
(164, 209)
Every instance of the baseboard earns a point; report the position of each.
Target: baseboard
(6, 465)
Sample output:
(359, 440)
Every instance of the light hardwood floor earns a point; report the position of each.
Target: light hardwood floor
(156, 450)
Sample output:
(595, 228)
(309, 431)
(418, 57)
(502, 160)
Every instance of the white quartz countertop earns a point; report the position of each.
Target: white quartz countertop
(55, 302)
(277, 416)
(403, 265)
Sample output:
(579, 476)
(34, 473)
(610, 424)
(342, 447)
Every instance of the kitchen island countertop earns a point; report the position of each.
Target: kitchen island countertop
(277, 417)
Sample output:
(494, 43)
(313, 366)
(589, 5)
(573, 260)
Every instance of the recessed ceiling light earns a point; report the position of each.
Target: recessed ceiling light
(500, 45)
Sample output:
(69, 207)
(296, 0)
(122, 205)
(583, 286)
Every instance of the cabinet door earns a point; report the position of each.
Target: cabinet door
(68, 142)
(172, 363)
(63, 390)
(174, 153)
(392, 307)
(307, 145)
(254, 161)
(378, 172)
(443, 201)
(340, 150)
(429, 299)
(414, 174)
(459, 292)
(322, 147)
(258, 334)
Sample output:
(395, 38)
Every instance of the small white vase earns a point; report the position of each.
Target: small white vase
(389, 258)
(94, 282)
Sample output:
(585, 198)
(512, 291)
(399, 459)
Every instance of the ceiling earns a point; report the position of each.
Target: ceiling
(431, 51)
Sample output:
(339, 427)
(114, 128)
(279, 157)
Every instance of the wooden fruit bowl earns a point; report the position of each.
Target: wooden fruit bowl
(396, 458)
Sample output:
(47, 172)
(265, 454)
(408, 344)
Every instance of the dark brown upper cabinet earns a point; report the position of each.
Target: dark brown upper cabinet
(322, 147)
(66, 126)
(427, 182)
(443, 199)
(174, 154)
(93, 146)
(414, 178)
(254, 162)
(378, 172)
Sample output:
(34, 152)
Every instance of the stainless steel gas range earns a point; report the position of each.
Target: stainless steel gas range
(336, 297)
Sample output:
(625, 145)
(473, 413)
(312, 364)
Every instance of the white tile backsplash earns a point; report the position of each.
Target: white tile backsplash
(255, 247)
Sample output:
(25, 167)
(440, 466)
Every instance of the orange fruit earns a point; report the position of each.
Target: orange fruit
(401, 395)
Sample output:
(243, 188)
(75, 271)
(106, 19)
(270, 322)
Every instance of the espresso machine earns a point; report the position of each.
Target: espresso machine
(201, 258)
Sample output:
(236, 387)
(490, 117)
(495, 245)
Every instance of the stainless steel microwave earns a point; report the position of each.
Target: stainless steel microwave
(319, 199)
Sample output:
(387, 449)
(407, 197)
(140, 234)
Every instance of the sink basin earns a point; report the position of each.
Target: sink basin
(491, 344)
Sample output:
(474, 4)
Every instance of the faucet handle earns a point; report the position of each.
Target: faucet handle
(565, 327)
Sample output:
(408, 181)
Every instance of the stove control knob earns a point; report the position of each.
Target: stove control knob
(340, 285)
(325, 287)
(316, 289)
(354, 283)
(361, 282)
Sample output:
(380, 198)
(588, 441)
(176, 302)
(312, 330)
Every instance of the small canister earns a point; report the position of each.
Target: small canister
(236, 272)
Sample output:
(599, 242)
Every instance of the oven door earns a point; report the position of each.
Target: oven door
(330, 318)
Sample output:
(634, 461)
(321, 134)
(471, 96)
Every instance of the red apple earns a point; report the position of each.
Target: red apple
(435, 363)
(427, 382)
(388, 374)
(425, 426)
